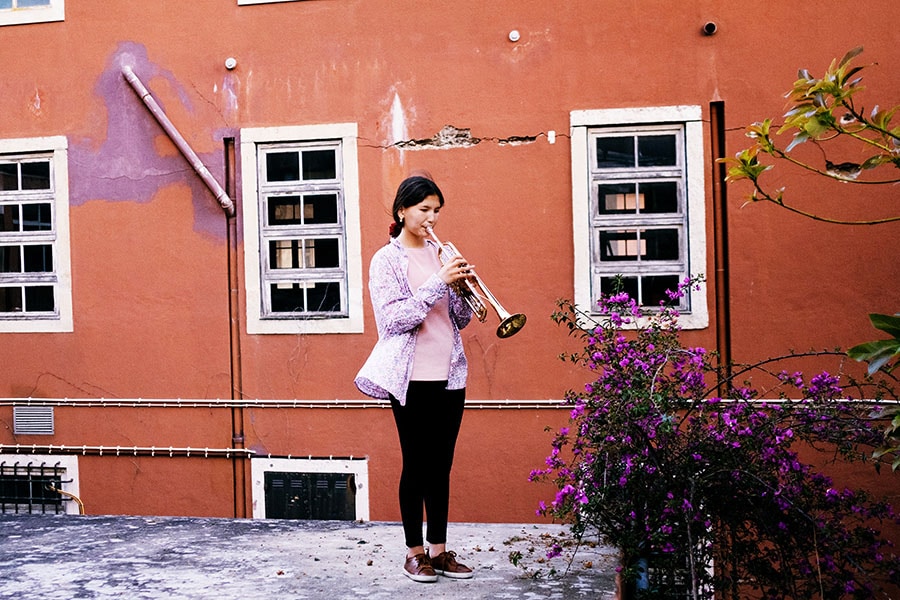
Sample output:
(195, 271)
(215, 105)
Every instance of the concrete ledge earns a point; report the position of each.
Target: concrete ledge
(174, 557)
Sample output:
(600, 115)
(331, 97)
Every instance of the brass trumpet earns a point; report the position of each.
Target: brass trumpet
(474, 292)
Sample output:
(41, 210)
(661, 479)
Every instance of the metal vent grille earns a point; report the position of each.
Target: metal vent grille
(316, 496)
(33, 420)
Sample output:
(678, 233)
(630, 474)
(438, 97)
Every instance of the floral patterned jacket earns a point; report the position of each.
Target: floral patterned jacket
(398, 313)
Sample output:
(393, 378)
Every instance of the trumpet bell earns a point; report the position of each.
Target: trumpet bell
(511, 325)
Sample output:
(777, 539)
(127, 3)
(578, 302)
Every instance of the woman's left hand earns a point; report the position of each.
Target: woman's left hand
(455, 270)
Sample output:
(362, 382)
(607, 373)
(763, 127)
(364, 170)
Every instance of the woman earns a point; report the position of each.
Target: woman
(419, 364)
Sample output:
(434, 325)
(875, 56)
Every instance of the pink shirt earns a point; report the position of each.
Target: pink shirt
(434, 341)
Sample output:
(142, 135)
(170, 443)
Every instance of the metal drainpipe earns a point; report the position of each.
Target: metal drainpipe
(144, 94)
(239, 464)
(720, 228)
(224, 200)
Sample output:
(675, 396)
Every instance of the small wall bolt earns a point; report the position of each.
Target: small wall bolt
(230, 63)
(514, 35)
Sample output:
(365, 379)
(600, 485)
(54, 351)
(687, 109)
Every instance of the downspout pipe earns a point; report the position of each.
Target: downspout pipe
(179, 141)
(720, 226)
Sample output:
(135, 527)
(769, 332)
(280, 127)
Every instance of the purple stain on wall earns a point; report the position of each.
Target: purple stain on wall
(123, 163)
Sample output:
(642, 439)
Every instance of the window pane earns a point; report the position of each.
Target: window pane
(319, 164)
(618, 198)
(10, 299)
(324, 296)
(9, 177)
(39, 299)
(656, 151)
(38, 259)
(318, 253)
(288, 297)
(5, 4)
(10, 259)
(9, 217)
(36, 175)
(661, 197)
(660, 244)
(36, 217)
(282, 166)
(654, 289)
(320, 209)
(318, 296)
(618, 245)
(32, 3)
(615, 285)
(322, 253)
(285, 210)
(615, 152)
(284, 254)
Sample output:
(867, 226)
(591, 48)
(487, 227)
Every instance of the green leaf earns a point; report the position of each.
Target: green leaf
(889, 324)
(874, 161)
(799, 138)
(852, 72)
(877, 353)
(851, 55)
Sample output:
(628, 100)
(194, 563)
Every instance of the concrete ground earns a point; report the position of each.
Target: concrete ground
(81, 557)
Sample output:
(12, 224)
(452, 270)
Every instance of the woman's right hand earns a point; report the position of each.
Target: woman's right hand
(455, 270)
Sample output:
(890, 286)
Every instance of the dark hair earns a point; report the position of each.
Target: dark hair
(412, 190)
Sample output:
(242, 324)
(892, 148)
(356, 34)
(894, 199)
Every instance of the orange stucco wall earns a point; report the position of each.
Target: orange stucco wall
(150, 250)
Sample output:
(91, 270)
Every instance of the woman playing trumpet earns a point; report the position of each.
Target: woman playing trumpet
(419, 364)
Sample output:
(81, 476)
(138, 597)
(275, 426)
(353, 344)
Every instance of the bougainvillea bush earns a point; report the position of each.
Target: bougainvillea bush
(699, 483)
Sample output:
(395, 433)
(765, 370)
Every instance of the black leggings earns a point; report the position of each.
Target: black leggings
(428, 426)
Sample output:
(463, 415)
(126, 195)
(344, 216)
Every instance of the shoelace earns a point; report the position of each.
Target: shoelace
(423, 561)
(450, 558)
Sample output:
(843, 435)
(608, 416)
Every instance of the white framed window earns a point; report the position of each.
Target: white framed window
(19, 12)
(638, 205)
(35, 273)
(310, 488)
(301, 229)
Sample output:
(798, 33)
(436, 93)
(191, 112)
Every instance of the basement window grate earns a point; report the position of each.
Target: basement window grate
(32, 488)
(318, 489)
(310, 496)
(33, 420)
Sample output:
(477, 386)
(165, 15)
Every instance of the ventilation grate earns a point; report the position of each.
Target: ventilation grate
(310, 496)
(33, 420)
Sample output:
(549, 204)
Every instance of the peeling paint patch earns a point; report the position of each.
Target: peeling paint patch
(447, 136)
(35, 106)
(454, 137)
(398, 121)
(516, 140)
(131, 161)
(230, 86)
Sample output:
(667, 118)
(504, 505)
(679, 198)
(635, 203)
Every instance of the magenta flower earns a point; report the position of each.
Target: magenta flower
(668, 460)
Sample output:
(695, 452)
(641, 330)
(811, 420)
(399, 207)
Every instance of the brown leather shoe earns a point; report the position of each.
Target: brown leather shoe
(445, 564)
(418, 568)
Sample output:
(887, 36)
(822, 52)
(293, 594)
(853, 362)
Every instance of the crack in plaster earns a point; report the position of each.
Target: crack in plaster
(456, 137)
